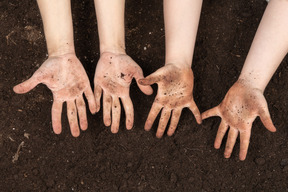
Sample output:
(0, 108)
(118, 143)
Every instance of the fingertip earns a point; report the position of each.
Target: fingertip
(227, 155)
(107, 122)
(199, 120)
(93, 110)
(242, 157)
(18, 89)
(147, 126)
(76, 133)
(129, 125)
(217, 145)
(114, 129)
(141, 81)
(159, 136)
(56, 128)
(97, 109)
(170, 134)
(84, 125)
(147, 90)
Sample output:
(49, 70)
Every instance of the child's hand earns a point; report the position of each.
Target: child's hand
(241, 105)
(113, 76)
(65, 76)
(175, 91)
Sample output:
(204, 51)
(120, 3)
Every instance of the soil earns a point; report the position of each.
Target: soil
(136, 160)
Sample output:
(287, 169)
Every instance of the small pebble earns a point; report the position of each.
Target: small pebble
(35, 171)
(285, 169)
(284, 162)
(260, 161)
(173, 178)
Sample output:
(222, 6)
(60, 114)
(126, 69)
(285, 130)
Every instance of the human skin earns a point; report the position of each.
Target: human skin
(175, 79)
(245, 100)
(62, 72)
(115, 69)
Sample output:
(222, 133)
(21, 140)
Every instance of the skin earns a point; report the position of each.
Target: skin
(245, 100)
(175, 80)
(62, 72)
(115, 69)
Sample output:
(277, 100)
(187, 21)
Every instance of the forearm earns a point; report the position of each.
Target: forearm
(110, 21)
(269, 47)
(58, 27)
(181, 24)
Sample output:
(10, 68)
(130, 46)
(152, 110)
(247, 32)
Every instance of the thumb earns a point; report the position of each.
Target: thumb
(266, 120)
(151, 79)
(26, 86)
(144, 88)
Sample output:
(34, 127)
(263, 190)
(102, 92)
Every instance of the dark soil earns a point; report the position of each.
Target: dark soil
(136, 160)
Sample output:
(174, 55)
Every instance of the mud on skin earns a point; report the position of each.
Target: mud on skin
(175, 92)
(119, 70)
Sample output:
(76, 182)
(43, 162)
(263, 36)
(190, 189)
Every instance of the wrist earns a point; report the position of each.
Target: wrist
(117, 49)
(56, 50)
(251, 83)
(182, 63)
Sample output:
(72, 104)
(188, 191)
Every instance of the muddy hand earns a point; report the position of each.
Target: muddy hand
(113, 76)
(241, 105)
(65, 76)
(175, 92)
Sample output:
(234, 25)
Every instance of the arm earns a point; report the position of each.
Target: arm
(181, 24)
(110, 21)
(115, 70)
(58, 27)
(245, 101)
(175, 79)
(62, 72)
(269, 47)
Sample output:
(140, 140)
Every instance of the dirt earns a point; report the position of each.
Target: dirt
(136, 160)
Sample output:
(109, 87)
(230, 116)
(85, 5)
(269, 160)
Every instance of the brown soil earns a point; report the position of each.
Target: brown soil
(136, 160)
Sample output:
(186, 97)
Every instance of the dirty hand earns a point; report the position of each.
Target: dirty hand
(175, 92)
(241, 105)
(113, 76)
(65, 76)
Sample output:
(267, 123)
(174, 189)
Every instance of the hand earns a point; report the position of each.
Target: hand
(65, 76)
(113, 76)
(175, 91)
(241, 105)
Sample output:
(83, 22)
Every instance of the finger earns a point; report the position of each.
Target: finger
(193, 107)
(174, 121)
(91, 100)
(244, 144)
(154, 111)
(98, 93)
(266, 120)
(116, 113)
(231, 140)
(72, 118)
(165, 116)
(211, 112)
(220, 134)
(27, 85)
(107, 103)
(81, 108)
(56, 113)
(153, 78)
(145, 89)
(129, 112)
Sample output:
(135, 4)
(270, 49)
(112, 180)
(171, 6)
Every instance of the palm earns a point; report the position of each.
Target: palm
(241, 105)
(113, 76)
(175, 92)
(66, 78)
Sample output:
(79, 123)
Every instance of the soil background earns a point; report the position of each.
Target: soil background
(136, 160)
